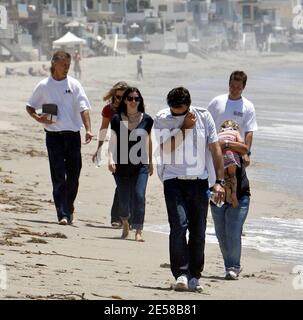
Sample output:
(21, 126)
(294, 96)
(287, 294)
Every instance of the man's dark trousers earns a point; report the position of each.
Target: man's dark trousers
(187, 206)
(64, 152)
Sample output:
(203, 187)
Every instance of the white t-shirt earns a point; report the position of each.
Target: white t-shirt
(70, 98)
(242, 111)
(192, 157)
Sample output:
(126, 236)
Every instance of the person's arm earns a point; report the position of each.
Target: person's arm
(39, 118)
(111, 149)
(248, 142)
(103, 130)
(238, 146)
(217, 156)
(150, 156)
(87, 124)
(174, 141)
(102, 135)
(249, 139)
(250, 127)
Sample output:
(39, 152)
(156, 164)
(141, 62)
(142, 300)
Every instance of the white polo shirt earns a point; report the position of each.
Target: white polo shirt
(70, 98)
(242, 111)
(191, 157)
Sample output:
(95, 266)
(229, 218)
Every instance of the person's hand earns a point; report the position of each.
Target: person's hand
(112, 167)
(222, 144)
(219, 193)
(43, 119)
(246, 160)
(189, 121)
(88, 137)
(150, 169)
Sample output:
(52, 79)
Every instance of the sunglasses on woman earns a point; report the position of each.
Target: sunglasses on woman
(129, 98)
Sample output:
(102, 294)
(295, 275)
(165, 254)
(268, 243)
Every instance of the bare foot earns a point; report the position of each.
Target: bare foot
(125, 229)
(138, 236)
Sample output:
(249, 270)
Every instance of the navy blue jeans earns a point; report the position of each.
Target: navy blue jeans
(115, 209)
(187, 206)
(64, 153)
(229, 223)
(131, 196)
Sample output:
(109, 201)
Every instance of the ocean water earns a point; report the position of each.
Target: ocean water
(282, 238)
(279, 141)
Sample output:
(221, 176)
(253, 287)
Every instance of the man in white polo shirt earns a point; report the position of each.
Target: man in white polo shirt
(68, 99)
(188, 143)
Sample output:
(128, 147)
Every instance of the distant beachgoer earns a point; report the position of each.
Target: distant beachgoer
(13, 72)
(77, 67)
(32, 72)
(130, 159)
(230, 133)
(229, 221)
(10, 71)
(140, 68)
(113, 97)
(43, 71)
(63, 138)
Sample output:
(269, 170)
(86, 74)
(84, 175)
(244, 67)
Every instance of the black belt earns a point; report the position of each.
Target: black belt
(66, 132)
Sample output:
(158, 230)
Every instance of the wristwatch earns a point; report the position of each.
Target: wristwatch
(248, 153)
(221, 183)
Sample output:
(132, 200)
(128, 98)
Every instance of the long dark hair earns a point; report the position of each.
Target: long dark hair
(122, 106)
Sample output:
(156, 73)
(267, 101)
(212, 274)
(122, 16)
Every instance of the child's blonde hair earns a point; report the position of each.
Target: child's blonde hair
(230, 124)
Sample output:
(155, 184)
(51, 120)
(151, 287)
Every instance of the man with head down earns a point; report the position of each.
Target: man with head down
(188, 148)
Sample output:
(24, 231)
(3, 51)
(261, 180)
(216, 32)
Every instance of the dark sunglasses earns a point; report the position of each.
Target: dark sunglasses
(118, 97)
(179, 114)
(129, 98)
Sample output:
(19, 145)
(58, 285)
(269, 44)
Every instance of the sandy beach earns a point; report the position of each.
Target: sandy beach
(89, 260)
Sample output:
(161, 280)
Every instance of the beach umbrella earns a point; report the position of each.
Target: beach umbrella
(69, 39)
